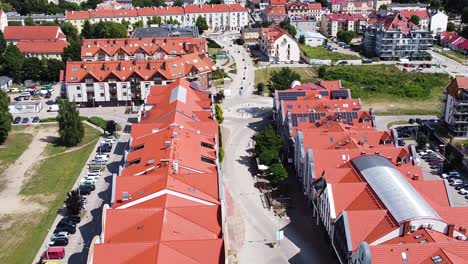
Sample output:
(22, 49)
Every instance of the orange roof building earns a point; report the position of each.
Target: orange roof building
(166, 203)
(140, 48)
(94, 83)
(369, 194)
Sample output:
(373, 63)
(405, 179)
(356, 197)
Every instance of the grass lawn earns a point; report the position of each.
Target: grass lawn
(390, 91)
(90, 135)
(213, 51)
(263, 75)
(457, 56)
(394, 123)
(322, 53)
(22, 234)
(13, 147)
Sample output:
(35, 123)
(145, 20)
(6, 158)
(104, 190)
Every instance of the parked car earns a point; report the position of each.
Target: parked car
(87, 185)
(85, 189)
(17, 120)
(18, 98)
(97, 162)
(463, 191)
(93, 173)
(454, 182)
(65, 222)
(73, 218)
(88, 181)
(104, 148)
(69, 229)
(458, 187)
(35, 119)
(411, 121)
(59, 242)
(104, 157)
(59, 235)
(25, 120)
(54, 253)
(437, 161)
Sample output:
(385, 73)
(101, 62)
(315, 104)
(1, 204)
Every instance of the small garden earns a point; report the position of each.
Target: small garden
(322, 53)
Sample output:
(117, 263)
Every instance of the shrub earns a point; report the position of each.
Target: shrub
(99, 122)
(48, 119)
(218, 74)
(212, 44)
(221, 154)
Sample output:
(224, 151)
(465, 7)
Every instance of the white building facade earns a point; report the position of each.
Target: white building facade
(279, 46)
(439, 22)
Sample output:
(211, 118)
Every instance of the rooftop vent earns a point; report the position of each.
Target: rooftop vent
(151, 161)
(404, 257)
(167, 143)
(126, 196)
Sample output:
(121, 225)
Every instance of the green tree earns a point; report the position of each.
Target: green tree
(267, 146)
(5, 116)
(29, 21)
(156, 20)
(52, 70)
(383, 7)
(216, 2)
(277, 173)
(201, 24)
(71, 129)
(74, 202)
(464, 32)
(345, 35)
(421, 141)
(302, 39)
(178, 3)
(111, 127)
(15, 23)
(72, 52)
(415, 19)
(32, 69)
(435, 4)
(260, 87)
(12, 62)
(171, 21)
(450, 26)
(464, 16)
(108, 30)
(6, 7)
(219, 113)
(86, 31)
(148, 3)
(70, 31)
(138, 24)
(282, 79)
(3, 43)
(290, 28)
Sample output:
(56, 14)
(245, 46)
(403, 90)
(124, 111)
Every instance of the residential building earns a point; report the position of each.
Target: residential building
(276, 14)
(301, 9)
(332, 23)
(352, 7)
(394, 37)
(167, 204)
(110, 83)
(424, 19)
(304, 23)
(250, 35)
(220, 17)
(50, 49)
(13, 34)
(278, 45)
(166, 31)
(397, 7)
(368, 194)
(454, 41)
(456, 107)
(3, 21)
(38, 18)
(438, 23)
(5, 83)
(140, 48)
(313, 39)
(278, 3)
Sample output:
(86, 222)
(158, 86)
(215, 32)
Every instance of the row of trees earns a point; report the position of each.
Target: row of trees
(25, 7)
(5, 116)
(267, 148)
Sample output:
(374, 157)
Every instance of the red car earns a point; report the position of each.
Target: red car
(54, 253)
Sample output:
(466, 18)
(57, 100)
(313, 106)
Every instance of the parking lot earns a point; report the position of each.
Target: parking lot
(431, 174)
(78, 244)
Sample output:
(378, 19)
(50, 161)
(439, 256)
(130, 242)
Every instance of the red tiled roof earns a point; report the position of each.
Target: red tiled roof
(275, 11)
(421, 14)
(16, 33)
(277, 2)
(42, 46)
(150, 46)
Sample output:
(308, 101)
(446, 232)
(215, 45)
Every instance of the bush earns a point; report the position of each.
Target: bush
(221, 154)
(267, 146)
(212, 44)
(219, 113)
(48, 119)
(218, 74)
(97, 121)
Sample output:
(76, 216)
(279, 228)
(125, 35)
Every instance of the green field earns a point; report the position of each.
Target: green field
(22, 234)
(390, 91)
(90, 135)
(322, 53)
(13, 147)
(263, 75)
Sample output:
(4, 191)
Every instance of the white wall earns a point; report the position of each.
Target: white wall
(439, 23)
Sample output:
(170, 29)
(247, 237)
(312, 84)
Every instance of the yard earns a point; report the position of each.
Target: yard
(46, 185)
(390, 91)
(322, 53)
(308, 74)
(15, 145)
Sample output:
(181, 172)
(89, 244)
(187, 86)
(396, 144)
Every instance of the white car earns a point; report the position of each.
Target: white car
(90, 173)
(104, 157)
(88, 181)
(463, 191)
(110, 139)
(426, 151)
(92, 178)
(455, 182)
(59, 234)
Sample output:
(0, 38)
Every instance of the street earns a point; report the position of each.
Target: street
(251, 226)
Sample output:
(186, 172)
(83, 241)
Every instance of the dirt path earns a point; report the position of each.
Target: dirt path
(15, 174)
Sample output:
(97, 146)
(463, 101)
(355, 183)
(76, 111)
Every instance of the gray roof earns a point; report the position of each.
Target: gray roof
(164, 31)
(396, 193)
(4, 80)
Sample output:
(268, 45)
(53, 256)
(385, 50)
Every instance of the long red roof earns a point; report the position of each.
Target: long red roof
(42, 46)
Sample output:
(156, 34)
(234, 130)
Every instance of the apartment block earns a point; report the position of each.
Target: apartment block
(332, 23)
(278, 45)
(456, 107)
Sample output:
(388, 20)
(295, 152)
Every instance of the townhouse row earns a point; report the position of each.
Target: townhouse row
(167, 202)
(368, 193)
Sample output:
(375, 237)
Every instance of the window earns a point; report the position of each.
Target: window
(78, 95)
(74, 69)
(102, 94)
(134, 162)
(437, 259)
(207, 160)
(207, 145)
(138, 147)
(74, 79)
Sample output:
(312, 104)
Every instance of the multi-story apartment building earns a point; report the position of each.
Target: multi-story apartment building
(456, 107)
(367, 193)
(332, 23)
(304, 23)
(250, 35)
(298, 9)
(397, 7)
(275, 14)
(108, 83)
(394, 37)
(424, 19)
(38, 18)
(363, 8)
(219, 17)
(140, 48)
(278, 45)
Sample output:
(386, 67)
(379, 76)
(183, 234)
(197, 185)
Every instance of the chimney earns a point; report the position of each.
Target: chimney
(406, 227)
(167, 144)
(462, 230)
(450, 229)
(416, 177)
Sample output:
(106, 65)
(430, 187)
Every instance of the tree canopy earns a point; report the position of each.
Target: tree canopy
(345, 36)
(415, 19)
(282, 79)
(464, 16)
(450, 26)
(301, 39)
(71, 129)
(201, 24)
(148, 3)
(219, 113)
(104, 30)
(5, 116)
(277, 173)
(290, 28)
(178, 3)
(156, 20)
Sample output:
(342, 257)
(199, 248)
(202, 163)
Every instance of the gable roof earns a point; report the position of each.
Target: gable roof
(42, 46)
(15, 33)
